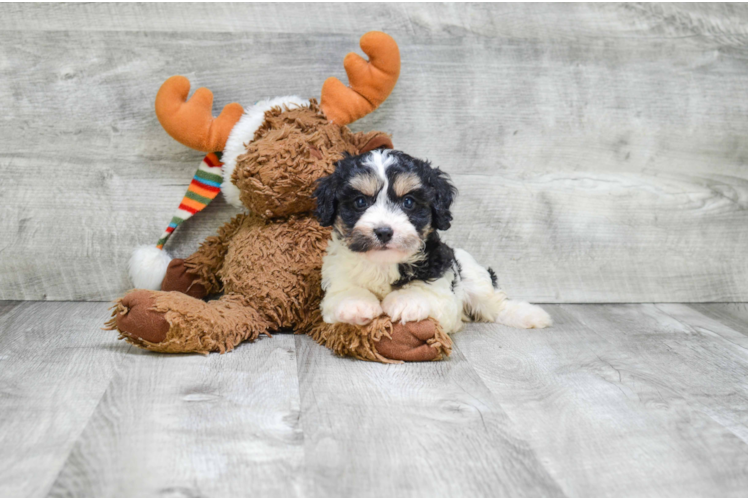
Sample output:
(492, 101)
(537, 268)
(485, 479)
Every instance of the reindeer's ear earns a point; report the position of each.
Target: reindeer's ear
(378, 141)
(327, 203)
(444, 195)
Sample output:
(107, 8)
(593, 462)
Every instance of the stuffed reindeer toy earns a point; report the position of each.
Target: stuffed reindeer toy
(267, 260)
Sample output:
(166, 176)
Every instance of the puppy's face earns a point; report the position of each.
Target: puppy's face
(384, 203)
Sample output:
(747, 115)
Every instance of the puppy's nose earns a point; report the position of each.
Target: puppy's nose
(384, 233)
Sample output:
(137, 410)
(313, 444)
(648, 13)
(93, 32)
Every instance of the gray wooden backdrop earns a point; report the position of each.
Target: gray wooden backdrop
(601, 150)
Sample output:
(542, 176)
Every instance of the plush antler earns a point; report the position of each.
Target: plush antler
(191, 122)
(370, 81)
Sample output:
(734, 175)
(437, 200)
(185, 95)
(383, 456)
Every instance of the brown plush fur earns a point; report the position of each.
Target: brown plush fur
(290, 152)
(268, 263)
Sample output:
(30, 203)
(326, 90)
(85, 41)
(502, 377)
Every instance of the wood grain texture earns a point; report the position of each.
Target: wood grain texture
(733, 315)
(613, 400)
(599, 149)
(55, 365)
(215, 426)
(537, 21)
(418, 429)
(624, 400)
(7, 306)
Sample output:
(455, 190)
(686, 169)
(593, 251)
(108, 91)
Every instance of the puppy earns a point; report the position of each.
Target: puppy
(385, 255)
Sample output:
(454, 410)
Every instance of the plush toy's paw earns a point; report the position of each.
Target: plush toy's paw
(357, 311)
(524, 315)
(137, 319)
(179, 279)
(419, 341)
(406, 307)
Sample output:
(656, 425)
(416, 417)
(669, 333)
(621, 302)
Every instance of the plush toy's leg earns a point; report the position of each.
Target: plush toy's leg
(383, 341)
(174, 322)
(179, 278)
(197, 275)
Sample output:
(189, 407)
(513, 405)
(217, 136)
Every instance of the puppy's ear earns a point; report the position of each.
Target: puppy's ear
(327, 203)
(444, 195)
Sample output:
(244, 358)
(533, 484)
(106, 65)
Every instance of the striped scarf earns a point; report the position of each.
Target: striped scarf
(205, 186)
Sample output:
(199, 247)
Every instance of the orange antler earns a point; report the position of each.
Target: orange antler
(191, 122)
(370, 81)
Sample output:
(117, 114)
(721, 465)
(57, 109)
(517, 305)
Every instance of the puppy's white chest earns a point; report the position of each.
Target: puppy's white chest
(342, 269)
(375, 277)
(381, 290)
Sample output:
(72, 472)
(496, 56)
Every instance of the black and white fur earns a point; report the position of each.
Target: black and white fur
(385, 255)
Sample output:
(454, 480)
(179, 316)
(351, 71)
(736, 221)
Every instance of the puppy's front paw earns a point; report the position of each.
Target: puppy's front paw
(406, 307)
(524, 315)
(357, 311)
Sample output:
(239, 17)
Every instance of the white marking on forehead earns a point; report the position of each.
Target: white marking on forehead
(379, 161)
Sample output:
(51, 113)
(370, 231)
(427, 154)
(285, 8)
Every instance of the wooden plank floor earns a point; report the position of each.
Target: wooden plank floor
(614, 400)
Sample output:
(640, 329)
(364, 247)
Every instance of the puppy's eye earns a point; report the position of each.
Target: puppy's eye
(409, 202)
(360, 202)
